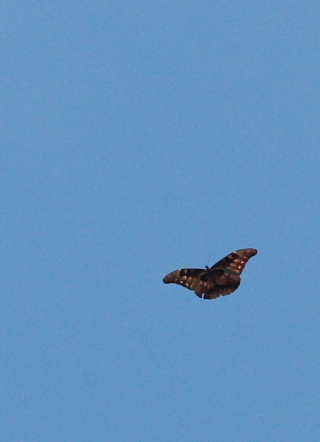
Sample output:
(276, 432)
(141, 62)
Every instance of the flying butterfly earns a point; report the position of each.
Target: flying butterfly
(222, 278)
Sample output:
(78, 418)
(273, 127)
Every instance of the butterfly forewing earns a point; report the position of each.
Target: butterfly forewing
(221, 279)
(235, 261)
(188, 278)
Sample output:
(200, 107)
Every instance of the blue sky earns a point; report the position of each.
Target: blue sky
(139, 137)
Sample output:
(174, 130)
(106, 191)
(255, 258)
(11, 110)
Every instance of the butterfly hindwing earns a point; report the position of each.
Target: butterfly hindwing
(222, 278)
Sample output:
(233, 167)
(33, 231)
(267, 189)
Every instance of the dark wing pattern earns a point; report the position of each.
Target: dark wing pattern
(222, 278)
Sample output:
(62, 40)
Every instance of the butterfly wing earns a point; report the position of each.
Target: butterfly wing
(192, 279)
(235, 262)
(226, 273)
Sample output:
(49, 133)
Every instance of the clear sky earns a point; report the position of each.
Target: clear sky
(138, 137)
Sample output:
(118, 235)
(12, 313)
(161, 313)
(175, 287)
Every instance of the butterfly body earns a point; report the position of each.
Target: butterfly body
(222, 278)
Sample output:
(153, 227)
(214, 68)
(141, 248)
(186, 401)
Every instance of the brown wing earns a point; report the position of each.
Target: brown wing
(235, 262)
(221, 279)
(192, 279)
(225, 274)
(185, 277)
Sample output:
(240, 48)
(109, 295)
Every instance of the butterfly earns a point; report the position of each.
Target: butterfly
(222, 278)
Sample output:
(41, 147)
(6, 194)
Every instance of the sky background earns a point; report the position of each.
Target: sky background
(138, 137)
